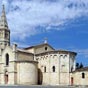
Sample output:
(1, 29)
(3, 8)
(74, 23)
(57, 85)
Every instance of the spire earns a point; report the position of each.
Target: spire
(3, 20)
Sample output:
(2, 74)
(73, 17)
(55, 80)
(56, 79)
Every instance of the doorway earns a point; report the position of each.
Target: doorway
(72, 81)
(6, 77)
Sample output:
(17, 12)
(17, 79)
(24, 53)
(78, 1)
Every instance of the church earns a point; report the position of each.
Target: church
(36, 65)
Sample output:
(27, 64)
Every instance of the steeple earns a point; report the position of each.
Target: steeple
(4, 30)
(3, 20)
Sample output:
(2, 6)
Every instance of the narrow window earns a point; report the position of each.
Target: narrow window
(44, 69)
(71, 68)
(7, 59)
(53, 68)
(83, 75)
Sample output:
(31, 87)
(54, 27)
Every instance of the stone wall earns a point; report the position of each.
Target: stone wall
(77, 78)
(25, 56)
(46, 63)
(27, 73)
(62, 64)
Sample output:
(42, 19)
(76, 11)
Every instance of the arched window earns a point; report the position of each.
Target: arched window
(44, 69)
(61, 57)
(83, 75)
(53, 68)
(7, 59)
(65, 56)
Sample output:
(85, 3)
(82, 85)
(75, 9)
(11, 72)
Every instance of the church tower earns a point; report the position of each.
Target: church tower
(4, 30)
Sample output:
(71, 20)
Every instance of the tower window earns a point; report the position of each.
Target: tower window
(53, 68)
(7, 59)
(83, 75)
(5, 25)
(44, 69)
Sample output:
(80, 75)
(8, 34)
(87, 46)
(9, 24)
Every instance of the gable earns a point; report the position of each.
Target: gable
(40, 48)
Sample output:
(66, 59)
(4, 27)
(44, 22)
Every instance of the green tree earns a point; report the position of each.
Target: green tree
(81, 65)
(77, 65)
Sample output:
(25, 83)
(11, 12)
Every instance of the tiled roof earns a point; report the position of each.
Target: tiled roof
(24, 51)
(81, 69)
(35, 46)
(57, 51)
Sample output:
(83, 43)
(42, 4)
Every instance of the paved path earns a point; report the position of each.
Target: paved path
(37, 86)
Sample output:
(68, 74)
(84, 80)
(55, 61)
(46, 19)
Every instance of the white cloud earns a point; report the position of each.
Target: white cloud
(83, 52)
(25, 15)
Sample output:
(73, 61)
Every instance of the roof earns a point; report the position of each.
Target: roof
(23, 51)
(67, 51)
(57, 51)
(36, 46)
(81, 69)
(28, 61)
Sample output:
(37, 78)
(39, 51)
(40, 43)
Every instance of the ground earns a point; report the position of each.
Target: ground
(37, 86)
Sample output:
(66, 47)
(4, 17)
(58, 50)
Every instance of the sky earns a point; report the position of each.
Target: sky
(63, 22)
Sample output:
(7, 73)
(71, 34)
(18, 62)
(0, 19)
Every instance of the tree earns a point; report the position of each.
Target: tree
(81, 65)
(77, 65)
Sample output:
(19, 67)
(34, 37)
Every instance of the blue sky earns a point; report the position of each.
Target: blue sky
(63, 22)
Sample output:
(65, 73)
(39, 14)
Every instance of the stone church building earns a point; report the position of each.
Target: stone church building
(39, 64)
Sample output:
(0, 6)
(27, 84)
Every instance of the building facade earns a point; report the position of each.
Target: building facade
(39, 64)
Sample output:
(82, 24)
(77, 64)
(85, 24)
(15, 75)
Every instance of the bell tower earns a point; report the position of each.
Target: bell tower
(4, 30)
